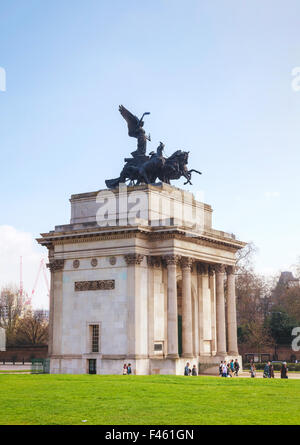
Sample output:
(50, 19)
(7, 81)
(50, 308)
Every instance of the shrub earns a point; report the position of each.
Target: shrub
(277, 366)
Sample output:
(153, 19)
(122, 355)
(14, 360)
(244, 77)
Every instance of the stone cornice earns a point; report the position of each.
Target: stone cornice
(150, 233)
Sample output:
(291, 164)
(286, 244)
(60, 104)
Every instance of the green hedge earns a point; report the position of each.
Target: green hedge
(277, 366)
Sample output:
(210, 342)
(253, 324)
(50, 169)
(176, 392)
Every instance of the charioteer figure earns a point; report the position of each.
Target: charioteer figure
(147, 169)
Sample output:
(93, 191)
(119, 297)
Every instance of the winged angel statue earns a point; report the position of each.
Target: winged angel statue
(136, 130)
(146, 169)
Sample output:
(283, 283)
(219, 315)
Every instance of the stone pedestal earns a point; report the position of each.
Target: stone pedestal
(131, 283)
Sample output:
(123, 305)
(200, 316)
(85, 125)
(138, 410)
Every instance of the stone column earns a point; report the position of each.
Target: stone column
(172, 315)
(151, 265)
(220, 310)
(205, 330)
(56, 313)
(187, 322)
(212, 286)
(231, 312)
(137, 310)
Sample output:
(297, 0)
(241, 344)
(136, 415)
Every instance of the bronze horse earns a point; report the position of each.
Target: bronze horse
(155, 167)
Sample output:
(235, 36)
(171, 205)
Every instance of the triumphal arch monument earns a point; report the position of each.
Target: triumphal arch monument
(140, 276)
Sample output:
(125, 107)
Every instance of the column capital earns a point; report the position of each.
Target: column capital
(186, 262)
(133, 258)
(203, 268)
(211, 270)
(230, 270)
(171, 259)
(56, 265)
(154, 261)
(219, 268)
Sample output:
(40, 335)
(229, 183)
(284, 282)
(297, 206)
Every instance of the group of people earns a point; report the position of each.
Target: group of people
(229, 369)
(127, 369)
(190, 371)
(269, 371)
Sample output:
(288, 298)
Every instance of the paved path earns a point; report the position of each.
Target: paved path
(16, 367)
(259, 375)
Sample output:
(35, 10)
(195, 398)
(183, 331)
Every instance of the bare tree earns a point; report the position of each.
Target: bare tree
(253, 294)
(258, 335)
(12, 307)
(32, 329)
(244, 257)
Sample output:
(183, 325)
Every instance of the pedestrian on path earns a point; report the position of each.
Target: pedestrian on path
(284, 371)
(224, 369)
(187, 370)
(252, 370)
(266, 374)
(236, 367)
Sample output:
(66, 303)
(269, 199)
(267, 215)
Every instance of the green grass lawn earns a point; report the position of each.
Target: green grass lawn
(158, 400)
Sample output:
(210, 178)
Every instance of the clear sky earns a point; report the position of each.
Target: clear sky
(216, 76)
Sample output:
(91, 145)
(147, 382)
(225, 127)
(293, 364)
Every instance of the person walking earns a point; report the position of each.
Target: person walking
(252, 370)
(284, 371)
(187, 370)
(232, 367)
(236, 367)
(129, 371)
(272, 376)
(224, 369)
(220, 368)
(266, 374)
(194, 370)
(229, 373)
(125, 369)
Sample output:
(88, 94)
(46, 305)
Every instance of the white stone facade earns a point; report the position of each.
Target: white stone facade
(153, 288)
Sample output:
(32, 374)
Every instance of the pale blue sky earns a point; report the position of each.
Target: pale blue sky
(216, 76)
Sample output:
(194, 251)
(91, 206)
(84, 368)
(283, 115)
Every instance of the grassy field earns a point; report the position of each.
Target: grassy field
(158, 400)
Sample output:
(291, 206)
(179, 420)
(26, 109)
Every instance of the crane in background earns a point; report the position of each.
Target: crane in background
(42, 268)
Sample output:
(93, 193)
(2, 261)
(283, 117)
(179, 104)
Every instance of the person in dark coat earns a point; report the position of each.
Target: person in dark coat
(236, 367)
(220, 367)
(284, 371)
(194, 370)
(271, 368)
(266, 374)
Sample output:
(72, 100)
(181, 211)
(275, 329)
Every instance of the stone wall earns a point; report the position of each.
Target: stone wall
(24, 352)
(284, 352)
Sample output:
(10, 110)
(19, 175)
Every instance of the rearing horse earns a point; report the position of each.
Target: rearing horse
(176, 166)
